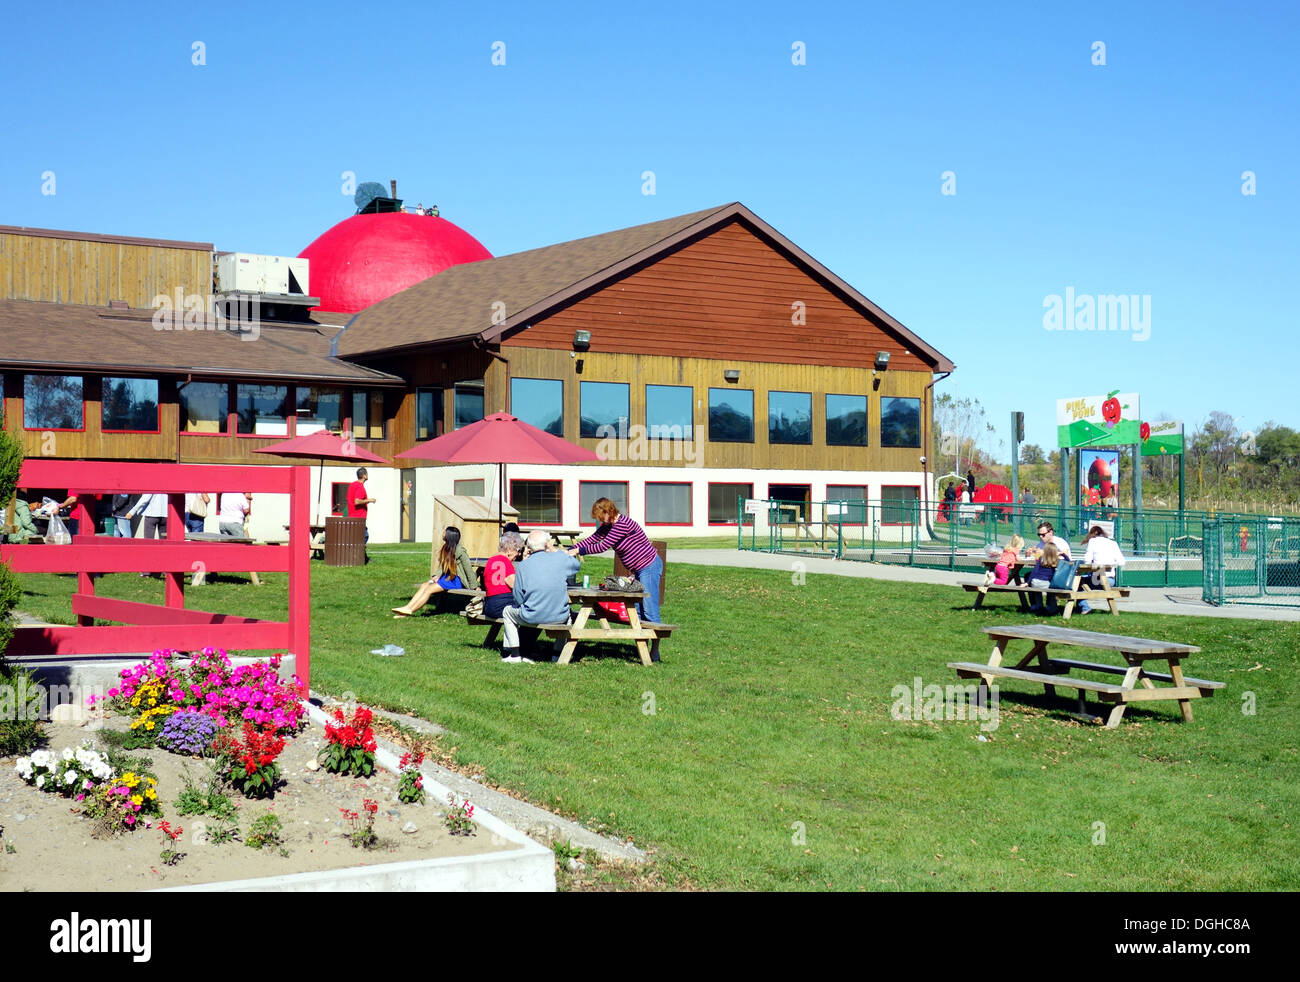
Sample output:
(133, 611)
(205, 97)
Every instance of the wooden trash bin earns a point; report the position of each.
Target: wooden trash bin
(661, 547)
(480, 530)
(345, 541)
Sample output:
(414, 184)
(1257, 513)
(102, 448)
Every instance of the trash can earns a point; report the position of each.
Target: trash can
(661, 547)
(345, 541)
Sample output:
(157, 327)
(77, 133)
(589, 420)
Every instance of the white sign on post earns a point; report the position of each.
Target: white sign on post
(753, 506)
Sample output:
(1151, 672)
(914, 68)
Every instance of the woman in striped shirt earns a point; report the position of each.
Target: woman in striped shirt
(633, 547)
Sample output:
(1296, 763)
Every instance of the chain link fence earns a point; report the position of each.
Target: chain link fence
(1164, 547)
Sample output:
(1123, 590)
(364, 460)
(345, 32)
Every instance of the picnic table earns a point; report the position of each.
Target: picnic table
(638, 631)
(200, 577)
(562, 536)
(1070, 596)
(1053, 671)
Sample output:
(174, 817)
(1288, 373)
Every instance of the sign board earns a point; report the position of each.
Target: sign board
(1163, 437)
(1099, 470)
(1107, 527)
(753, 506)
(1098, 421)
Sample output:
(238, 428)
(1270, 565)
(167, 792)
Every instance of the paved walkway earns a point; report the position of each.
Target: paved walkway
(1146, 600)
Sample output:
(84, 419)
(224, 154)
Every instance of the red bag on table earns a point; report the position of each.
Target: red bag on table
(612, 609)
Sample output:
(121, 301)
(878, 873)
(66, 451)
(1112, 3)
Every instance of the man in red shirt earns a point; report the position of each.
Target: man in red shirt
(357, 499)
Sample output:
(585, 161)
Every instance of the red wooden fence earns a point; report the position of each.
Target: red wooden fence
(147, 627)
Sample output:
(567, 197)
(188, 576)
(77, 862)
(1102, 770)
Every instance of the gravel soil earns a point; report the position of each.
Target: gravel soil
(53, 848)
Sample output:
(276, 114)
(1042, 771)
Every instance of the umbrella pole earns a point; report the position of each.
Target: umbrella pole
(501, 491)
(320, 487)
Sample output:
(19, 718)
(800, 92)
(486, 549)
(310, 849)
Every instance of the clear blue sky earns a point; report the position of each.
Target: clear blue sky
(1122, 178)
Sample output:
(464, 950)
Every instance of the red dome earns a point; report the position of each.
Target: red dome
(365, 258)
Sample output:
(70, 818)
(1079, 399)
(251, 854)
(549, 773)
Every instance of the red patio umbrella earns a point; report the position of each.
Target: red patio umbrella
(499, 439)
(322, 445)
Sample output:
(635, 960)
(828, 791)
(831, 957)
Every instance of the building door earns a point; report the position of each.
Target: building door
(406, 491)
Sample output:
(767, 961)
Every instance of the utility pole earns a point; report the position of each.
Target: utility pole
(1017, 434)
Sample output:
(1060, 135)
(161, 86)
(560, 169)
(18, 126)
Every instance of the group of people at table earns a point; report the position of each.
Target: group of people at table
(527, 583)
(146, 513)
(1100, 550)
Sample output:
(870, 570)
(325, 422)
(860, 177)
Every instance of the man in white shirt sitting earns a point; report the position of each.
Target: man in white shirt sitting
(1048, 534)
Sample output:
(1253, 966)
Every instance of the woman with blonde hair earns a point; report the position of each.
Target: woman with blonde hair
(454, 573)
(632, 546)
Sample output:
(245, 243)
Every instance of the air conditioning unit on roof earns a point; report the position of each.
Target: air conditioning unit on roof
(246, 272)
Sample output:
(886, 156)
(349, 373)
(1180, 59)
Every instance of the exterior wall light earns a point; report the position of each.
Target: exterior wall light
(581, 340)
(732, 374)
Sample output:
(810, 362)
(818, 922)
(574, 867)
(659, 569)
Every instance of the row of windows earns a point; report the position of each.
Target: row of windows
(670, 502)
(604, 407)
(130, 405)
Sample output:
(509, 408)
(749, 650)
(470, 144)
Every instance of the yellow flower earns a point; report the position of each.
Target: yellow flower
(137, 800)
(151, 794)
(149, 725)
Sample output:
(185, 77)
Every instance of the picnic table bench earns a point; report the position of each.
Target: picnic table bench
(1053, 671)
(1070, 596)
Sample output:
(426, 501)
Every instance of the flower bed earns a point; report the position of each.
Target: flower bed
(61, 835)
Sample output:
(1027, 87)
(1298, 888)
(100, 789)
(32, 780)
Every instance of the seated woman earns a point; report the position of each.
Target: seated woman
(1040, 578)
(1099, 550)
(499, 576)
(454, 573)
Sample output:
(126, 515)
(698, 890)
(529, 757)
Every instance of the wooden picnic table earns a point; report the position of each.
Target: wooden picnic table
(200, 577)
(560, 535)
(1053, 671)
(1070, 596)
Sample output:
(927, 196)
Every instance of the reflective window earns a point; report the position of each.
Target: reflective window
(319, 408)
(469, 402)
(667, 504)
(899, 505)
(589, 491)
(472, 486)
(367, 415)
(723, 505)
(846, 421)
(538, 502)
(129, 404)
(539, 402)
(604, 404)
(851, 500)
(900, 422)
(53, 402)
(204, 406)
(263, 409)
(428, 413)
(789, 417)
(731, 416)
(669, 412)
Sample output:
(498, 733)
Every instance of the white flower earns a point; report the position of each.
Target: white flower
(40, 781)
(24, 768)
(67, 753)
(69, 777)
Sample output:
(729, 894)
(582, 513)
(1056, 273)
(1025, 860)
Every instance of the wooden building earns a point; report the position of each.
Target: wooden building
(705, 357)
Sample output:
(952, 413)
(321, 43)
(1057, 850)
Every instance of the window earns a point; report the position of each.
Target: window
(731, 415)
(898, 504)
(538, 502)
(262, 409)
(474, 487)
(319, 408)
(469, 402)
(129, 404)
(204, 406)
(428, 413)
(539, 402)
(669, 412)
(589, 491)
(667, 504)
(722, 502)
(900, 422)
(846, 421)
(604, 404)
(789, 502)
(339, 497)
(53, 402)
(367, 415)
(853, 511)
(789, 417)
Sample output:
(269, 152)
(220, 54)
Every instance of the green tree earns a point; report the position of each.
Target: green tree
(1032, 453)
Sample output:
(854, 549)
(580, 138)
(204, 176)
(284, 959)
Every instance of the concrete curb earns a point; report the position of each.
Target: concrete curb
(529, 868)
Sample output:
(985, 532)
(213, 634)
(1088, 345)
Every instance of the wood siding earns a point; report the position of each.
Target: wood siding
(77, 271)
(729, 295)
(761, 378)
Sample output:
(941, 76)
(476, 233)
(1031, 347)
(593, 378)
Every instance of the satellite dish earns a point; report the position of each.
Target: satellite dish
(367, 193)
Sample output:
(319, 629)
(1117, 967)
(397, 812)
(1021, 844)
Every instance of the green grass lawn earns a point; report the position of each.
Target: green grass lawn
(772, 717)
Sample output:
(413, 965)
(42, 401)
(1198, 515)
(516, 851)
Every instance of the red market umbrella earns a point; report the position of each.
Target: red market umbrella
(499, 439)
(322, 445)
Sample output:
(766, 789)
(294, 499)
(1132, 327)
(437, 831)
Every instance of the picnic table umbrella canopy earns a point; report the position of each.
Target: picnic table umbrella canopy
(322, 445)
(499, 439)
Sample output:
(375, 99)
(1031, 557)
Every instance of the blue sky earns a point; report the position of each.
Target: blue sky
(1122, 178)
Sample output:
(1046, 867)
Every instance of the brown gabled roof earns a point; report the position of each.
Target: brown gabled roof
(43, 337)
(461, 302)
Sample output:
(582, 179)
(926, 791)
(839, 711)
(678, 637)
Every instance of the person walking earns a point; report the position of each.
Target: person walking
(196, 510)
(358, 500)
(123, 504)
